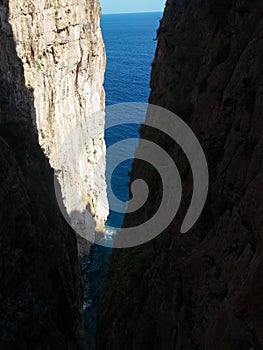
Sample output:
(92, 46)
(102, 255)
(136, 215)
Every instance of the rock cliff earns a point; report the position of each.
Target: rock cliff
(41, 292)
(61, 47)
(200, 290)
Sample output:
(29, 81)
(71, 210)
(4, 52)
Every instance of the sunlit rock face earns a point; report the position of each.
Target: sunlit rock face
(61, 47)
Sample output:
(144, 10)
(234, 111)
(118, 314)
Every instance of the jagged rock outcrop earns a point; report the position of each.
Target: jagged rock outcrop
(61, 47)
(40, 279)
(201, 290)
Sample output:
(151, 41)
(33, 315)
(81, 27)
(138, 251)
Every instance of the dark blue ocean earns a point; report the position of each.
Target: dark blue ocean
(130, 46)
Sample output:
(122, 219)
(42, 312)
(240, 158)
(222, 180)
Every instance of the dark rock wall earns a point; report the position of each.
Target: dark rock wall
(201, 290)
(40, 279)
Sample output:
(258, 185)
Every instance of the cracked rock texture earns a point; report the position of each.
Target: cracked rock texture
(41, 292)
(61, 48)
(201, 290)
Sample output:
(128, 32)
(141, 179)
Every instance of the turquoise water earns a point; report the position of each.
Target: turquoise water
(130, 46)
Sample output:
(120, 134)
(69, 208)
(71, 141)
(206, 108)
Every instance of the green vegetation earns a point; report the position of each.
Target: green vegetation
(39, 67)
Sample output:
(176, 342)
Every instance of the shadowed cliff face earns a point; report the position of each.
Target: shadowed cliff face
(200, 290)
(40, 280)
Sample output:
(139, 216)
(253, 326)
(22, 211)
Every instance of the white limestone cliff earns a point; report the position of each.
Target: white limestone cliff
(61, 47)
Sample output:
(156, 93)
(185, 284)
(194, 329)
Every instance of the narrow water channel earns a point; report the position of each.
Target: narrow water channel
(130, 47)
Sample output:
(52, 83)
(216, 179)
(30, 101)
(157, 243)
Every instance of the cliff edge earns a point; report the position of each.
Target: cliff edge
(41, 293)
(60, 45)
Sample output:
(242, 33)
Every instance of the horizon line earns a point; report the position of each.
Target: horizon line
(130, 13)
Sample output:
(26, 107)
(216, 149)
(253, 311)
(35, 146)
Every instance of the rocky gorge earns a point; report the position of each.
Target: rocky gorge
(200, 290)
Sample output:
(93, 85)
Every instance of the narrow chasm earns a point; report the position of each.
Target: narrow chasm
(124, 83)
(82, 95)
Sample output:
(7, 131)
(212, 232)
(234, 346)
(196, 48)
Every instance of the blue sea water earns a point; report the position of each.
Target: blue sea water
(130, 46)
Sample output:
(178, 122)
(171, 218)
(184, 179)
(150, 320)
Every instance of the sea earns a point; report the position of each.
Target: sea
(130, 42)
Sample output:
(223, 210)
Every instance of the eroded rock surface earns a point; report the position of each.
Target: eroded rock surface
(41, 292)
(61, 47)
